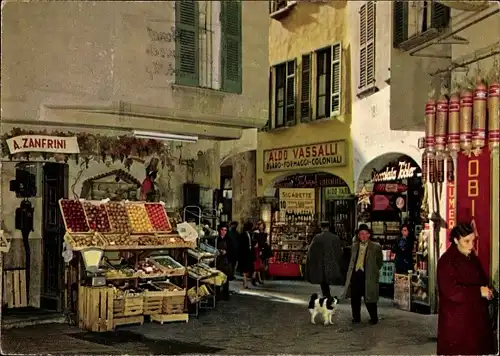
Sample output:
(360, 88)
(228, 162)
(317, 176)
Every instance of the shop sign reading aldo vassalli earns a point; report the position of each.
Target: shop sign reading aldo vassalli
(325, 154)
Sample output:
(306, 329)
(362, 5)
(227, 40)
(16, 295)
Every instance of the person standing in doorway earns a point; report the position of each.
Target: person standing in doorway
(363, 275)
(403, 248)
(323, 260)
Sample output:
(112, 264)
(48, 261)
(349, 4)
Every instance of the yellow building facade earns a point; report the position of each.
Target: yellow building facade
(304, 136)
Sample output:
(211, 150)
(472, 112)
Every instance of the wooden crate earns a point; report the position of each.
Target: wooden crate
(127, 320)
(168, 318)
(14, 288)
(173, 304)
(95, 308)
(153, 305)
(129, 306)
(169, 229)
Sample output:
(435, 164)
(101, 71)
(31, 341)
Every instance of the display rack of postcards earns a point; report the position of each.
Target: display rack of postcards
(420, 278)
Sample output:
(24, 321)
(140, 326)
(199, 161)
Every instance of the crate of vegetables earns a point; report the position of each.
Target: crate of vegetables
(158, 217)
(150, 269)
(118, 217)
(169, 289)
(81, 240)
(97, 216)
(138, 218)
(170, 266)
(73, 215)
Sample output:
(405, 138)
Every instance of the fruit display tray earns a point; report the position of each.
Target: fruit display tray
(106, 224)
(140, 224)
(77, 204)
(80, 240)
(158, 217)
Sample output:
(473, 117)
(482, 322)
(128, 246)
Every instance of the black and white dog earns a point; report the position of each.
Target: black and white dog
(323, 306)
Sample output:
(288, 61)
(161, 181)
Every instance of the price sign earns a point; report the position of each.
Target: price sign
(297, 201)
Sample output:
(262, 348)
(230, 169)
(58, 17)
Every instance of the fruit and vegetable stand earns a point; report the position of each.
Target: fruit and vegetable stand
(138, 285)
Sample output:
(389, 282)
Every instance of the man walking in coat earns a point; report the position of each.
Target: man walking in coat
(363, 274)
(323, 260)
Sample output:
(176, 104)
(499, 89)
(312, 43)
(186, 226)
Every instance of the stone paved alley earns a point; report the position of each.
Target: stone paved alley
(268, 320)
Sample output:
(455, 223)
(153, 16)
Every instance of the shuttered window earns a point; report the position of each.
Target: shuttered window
(231, 46)
(186, 48)
(305, 88)
(328, 81)
(284, 94)
(209, 45)
(440, 17)
(367, 30)
(400, 22)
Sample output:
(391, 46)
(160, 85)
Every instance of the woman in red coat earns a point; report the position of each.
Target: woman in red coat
(464, 326)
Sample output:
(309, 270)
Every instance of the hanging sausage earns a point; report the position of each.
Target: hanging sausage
(466, 121)
(494, 116)
(450, 170)
(432, 168)
(425, 167)
(430, 125)
(440, 169)
(453, 125)
(479, 117)
(441, 124)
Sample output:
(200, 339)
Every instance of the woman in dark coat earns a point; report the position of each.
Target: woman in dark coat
(464, 326)
(222, 262)
(245, 253)
(403, 248)
(260, 236)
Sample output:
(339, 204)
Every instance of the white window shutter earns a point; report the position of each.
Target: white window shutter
(370, 43)
(336, 80)
(362, 47)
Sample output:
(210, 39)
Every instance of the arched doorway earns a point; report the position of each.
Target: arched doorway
(301, 202)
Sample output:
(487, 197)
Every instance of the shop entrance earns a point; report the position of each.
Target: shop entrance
(55, 187)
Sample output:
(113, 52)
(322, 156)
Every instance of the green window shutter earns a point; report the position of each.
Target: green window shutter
(186, 43)
(231, 46)
(305, 88)
(400, 22)
(440, 16)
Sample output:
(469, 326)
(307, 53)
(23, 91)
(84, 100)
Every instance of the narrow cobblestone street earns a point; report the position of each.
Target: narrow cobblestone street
(267, 320)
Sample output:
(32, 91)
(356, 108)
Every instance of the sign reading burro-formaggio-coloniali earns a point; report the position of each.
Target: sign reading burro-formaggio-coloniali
(38, 143)
(326, 154)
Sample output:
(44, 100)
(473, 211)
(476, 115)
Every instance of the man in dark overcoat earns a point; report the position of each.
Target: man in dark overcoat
(323, 260)
(363, 275)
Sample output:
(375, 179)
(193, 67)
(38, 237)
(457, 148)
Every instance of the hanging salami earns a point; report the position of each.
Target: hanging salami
(441, 124)
(494, 115)
(425, 167)
(479, 117)
(453, 124)
(432, 168)
(450, 170)
(430, 125)
(466, 121)
(440, 169)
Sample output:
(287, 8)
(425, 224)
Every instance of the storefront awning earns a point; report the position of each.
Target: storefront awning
(126, 117)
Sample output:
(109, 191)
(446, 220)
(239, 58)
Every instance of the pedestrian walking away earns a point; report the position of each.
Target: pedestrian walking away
(464, 326)
(363, 275)
(323, 260)
(245, 253)
(260, 235)
(234, 237)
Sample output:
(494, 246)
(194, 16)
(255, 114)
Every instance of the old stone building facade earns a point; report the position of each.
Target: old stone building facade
(108, 68)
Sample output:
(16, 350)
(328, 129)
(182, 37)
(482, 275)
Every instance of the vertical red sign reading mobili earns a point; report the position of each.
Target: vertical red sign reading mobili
(474, 200)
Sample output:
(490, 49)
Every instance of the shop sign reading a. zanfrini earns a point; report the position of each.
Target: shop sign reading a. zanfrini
(38, 143)
(326, 154)
(332, 193)
(403, 170)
